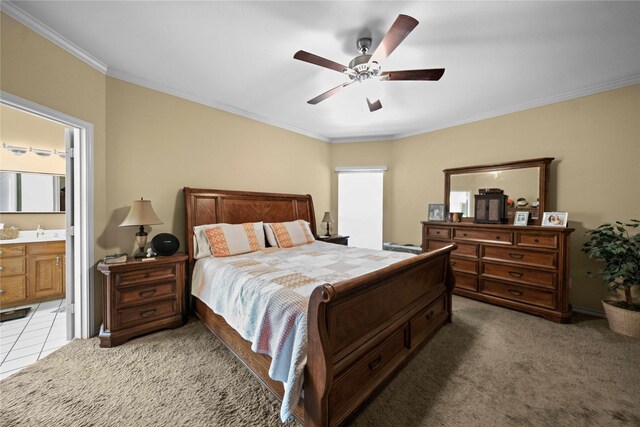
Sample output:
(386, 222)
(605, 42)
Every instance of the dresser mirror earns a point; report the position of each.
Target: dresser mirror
(31, 192)
(526, 179)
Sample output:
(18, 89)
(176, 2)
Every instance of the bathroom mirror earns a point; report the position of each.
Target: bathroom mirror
(528, 179)
(31, 192)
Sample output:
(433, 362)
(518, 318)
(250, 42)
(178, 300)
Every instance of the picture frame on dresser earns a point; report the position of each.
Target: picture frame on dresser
(436, 212)
(521, 218)
(555, 219)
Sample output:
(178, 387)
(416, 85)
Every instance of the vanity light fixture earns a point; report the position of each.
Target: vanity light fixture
(18, 151)
(40, 152)
(61, 154)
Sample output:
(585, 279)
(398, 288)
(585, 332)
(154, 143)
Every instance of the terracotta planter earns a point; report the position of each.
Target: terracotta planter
(625, 322)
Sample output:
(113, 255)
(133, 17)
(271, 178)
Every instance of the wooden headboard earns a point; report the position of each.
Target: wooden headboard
(206, 206)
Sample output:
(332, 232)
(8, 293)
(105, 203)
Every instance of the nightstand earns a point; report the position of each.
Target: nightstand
(141, 297)
(335, 238)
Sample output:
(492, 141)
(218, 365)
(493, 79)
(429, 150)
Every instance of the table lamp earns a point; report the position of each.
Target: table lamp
(141, 214)
(327, 218)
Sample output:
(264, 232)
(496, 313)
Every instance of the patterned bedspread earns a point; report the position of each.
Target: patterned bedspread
(264, 296)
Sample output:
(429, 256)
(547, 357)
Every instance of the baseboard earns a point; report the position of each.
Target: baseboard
(589, 312)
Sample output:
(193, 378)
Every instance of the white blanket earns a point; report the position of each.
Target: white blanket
(264, 296)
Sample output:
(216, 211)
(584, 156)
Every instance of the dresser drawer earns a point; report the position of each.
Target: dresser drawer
(369, 370)
(13, 289)
(143, 294)
(518, 293)
(487, 236)
(523, 257)
(466, 249)
(464, 265)
(439, 232)
(426, 320)
(537, 240)
(145, 275)
(146, 313)
(12, 250)
(432, 245)
(545, 279)
(56, 247)
(465, 281)
(13, 266)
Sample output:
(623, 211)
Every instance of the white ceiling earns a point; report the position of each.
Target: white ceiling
(238, 56)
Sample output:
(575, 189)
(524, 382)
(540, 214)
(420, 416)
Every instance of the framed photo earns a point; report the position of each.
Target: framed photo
(436, 212)
(555, 219)
(521, 218)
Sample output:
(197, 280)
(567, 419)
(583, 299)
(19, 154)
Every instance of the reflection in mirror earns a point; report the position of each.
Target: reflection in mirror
(516, 183)
(31, 192)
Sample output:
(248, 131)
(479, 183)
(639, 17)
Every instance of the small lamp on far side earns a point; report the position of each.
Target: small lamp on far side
(141, 214)
(327, 218)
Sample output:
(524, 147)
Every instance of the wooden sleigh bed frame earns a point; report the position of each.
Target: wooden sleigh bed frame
(360, 331)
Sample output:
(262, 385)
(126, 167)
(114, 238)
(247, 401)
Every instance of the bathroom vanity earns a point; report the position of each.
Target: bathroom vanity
(32, 268)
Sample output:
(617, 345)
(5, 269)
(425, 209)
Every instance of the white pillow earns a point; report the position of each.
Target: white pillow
(289, 234)
(201, 245)
(271, 238)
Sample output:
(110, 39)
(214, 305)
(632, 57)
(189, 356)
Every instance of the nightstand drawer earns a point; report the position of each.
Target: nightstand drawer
(146, 275)
(146, 313)
(143, 294)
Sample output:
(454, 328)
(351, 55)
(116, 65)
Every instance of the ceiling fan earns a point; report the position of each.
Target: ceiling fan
(364, 66)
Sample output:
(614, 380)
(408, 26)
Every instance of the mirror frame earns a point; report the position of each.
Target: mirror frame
(544, 165)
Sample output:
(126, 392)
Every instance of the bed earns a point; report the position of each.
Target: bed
(359, 331)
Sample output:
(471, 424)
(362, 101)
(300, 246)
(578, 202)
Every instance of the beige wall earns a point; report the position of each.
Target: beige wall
(159, 144)
(595, 177)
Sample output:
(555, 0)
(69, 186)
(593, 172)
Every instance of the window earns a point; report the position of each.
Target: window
(360, 206)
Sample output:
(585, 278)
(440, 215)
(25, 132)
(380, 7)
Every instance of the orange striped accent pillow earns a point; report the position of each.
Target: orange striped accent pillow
(294, 233)
(234, 239)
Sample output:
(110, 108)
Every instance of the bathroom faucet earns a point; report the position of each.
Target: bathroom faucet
(39, 231)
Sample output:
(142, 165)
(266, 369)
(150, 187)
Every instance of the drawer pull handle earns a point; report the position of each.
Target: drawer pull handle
(58, 261)
(497, 237)
(373, 365)
(515, 274)
(1, 252)
(2, 291)
(147, 294)
(516, 256)
(429, 315)
(148, 313)
(1, 268)
(464, 234)
(514, 292)
(453, 263)
(536, 241)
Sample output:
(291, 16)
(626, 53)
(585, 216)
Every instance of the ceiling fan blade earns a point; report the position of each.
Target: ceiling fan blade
(328, 93)
(400, 29)
(374, 106)
(318, 60)
(429, 74)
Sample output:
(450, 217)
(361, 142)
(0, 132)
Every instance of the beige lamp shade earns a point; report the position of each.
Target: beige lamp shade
(141, 213)
(327, 217)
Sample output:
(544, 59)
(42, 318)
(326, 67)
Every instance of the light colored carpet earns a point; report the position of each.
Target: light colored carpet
(491, 367)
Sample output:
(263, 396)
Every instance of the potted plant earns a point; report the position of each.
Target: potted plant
(619, 248)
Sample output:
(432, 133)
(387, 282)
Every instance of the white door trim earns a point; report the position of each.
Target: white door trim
(83, 188)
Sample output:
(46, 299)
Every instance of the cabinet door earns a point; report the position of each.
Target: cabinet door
(46, 275)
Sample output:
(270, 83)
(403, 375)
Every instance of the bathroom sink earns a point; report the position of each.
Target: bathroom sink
(32, 236)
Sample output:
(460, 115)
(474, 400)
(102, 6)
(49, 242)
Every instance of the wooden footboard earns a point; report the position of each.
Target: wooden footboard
(362, 330)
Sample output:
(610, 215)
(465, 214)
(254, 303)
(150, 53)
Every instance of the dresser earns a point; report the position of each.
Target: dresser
(141, 297)
(31, 272)
(525, 268)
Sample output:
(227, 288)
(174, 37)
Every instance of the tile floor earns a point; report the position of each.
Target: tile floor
(23, 341)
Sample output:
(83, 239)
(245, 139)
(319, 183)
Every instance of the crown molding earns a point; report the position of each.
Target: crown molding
(567, 96)
(123, 75)
(34, 24)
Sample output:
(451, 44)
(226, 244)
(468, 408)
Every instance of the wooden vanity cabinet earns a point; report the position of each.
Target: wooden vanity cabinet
(31, 272)
(521, 267)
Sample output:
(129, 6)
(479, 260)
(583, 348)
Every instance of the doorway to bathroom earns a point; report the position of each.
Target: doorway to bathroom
(57, 198)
